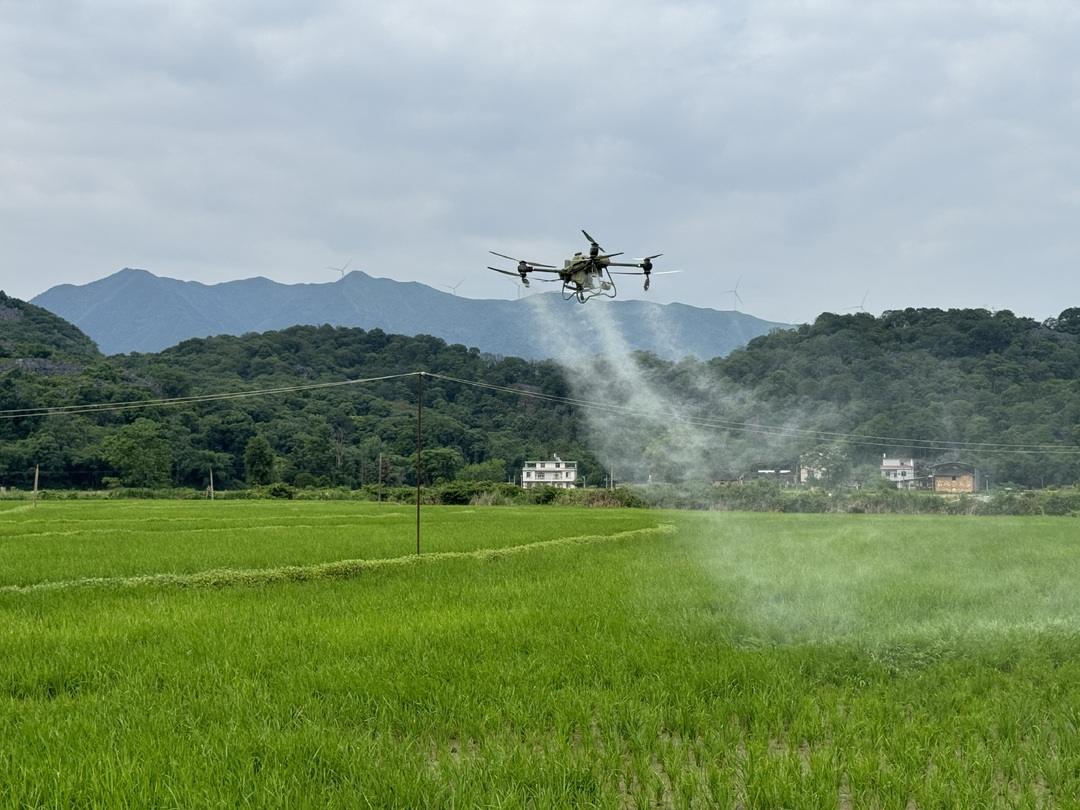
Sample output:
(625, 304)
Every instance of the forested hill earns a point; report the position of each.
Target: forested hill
(330, 436)
(953, 375)
(966, 376)
(36, 337)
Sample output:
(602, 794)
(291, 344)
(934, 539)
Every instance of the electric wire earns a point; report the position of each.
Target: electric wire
(104, 407)
(714, 423)
(781, 430)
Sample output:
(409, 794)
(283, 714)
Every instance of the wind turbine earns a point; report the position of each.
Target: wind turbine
(861, 306)
(341, 269)
(736, 299)
(516, 287)
(453, 287)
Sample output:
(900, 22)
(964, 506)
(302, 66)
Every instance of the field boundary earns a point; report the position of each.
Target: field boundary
(341, 569)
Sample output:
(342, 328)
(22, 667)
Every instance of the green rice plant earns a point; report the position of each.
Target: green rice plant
(755, 660)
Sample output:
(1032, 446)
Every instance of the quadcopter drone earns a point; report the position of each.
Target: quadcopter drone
(584, 277)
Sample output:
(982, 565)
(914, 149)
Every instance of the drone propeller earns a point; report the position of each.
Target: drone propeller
(520, 261)
(594, 246)
(643, 273)
(646, 262)
(524, 279)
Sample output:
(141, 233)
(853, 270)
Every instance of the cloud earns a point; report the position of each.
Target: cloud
(927, 152)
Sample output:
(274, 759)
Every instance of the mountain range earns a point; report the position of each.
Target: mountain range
(136, 311)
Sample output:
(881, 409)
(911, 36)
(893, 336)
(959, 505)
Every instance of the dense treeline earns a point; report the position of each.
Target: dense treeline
(329, 437)
(936, 375)
(958, 375)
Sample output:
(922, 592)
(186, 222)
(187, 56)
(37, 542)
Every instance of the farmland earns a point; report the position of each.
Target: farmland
(534, 656)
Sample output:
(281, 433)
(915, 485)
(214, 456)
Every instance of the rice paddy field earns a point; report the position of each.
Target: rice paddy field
(299, 654)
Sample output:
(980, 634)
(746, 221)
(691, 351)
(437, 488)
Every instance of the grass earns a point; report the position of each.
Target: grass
(83, 539)
(741, 660)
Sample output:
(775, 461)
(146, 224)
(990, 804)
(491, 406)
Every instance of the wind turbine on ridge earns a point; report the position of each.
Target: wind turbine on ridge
(861, 306)
(453, 287)
(341, 269)
(736, 299)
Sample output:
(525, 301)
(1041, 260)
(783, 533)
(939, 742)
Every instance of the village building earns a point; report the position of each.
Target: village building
(954, 477)
(786, 473)
(898, 471)
(555, 473)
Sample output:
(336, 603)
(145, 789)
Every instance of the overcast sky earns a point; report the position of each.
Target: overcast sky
(915, 153)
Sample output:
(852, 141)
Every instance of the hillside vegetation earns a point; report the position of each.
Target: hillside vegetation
(959, 375)
(936, 375)
(28, 333)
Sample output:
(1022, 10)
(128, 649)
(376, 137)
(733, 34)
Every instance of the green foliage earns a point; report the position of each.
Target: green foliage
(328, 438)
(140, 452)
(964, 376)
(259, 461)
(28, 331)
(928, 374)
(491, 470)
(280, 490)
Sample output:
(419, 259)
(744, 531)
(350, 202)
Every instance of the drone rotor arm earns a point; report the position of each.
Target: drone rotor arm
(519, 261)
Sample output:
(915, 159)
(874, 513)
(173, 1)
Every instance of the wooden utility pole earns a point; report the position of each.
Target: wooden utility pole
(211, 483)
(380, 477)
(37, 472)
(419, 447)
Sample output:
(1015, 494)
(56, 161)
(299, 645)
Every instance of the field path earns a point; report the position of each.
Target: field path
(342, 569)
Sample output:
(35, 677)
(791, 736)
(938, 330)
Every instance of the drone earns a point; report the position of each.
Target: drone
(584, 276)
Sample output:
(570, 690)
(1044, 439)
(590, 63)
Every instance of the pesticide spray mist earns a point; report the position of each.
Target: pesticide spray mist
(652, 426)
(795, 579)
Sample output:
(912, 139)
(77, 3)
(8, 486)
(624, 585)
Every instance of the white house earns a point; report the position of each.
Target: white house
(900, 471)
(554, 473)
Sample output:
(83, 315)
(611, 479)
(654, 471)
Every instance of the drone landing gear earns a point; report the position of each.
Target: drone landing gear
(582, 293)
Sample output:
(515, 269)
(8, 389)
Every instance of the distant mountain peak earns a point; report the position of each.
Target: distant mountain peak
(135, 310)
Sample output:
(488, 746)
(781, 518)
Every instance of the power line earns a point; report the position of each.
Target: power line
(781, 430)
(714, 423)
(105, 407)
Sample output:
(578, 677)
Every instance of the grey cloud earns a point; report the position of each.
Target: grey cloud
(927, 152)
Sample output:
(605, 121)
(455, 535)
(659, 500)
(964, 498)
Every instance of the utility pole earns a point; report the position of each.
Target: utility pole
(419, 447)
(37, 471)
(211, 483)
(380, 477)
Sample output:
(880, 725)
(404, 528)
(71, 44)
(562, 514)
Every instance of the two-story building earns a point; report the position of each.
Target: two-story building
(899, 471)
(555, 473)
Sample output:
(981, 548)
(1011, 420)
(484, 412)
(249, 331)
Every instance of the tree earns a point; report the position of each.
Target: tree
(259, 461)
(490, 470)
(1069, 321)
(139, 452)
